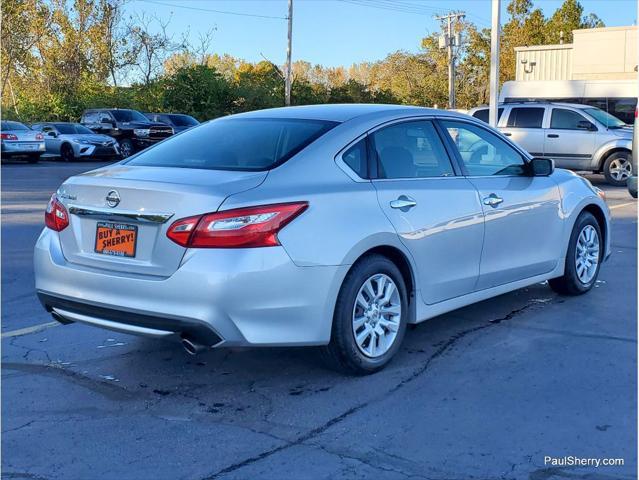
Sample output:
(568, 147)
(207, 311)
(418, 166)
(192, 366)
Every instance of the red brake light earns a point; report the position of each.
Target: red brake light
(8, 136)
(238, 228)
(39, 136)
(56, 216)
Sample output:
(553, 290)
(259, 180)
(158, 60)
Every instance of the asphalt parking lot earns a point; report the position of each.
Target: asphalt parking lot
(484, 392)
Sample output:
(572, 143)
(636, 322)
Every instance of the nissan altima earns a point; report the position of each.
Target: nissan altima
(333, 226)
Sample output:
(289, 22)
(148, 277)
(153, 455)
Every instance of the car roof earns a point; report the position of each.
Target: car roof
(540, 104)
(338, 112)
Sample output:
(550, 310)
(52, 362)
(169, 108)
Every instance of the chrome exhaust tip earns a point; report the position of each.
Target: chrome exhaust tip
(191, 346)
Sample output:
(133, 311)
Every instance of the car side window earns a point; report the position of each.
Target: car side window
(411, 150)
(91, 117)
(357, 159)
(482, 152)
(526, 117)
(563, 119)
(483, 114)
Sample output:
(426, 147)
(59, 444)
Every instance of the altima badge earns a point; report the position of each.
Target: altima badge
(113, 199)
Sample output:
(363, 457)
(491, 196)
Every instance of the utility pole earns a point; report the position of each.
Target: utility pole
(287, 81)
(494, 66)
(449, 40)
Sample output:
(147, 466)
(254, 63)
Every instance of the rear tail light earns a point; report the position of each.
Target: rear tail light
(239, 228)
(8, 136)
(56, 216)
(39, 136)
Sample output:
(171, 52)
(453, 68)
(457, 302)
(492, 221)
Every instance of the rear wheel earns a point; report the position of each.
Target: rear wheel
(66, 153)
(617, 168)
(583, 258)
(370, 317)
(126, 147)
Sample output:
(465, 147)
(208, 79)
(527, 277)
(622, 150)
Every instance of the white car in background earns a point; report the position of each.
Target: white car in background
(19, 141)
(575, 136)
(72, 141)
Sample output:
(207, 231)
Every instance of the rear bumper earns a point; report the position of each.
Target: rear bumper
(14, 150)
(233, 297)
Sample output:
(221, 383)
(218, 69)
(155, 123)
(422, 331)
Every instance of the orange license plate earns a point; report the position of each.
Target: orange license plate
(116, 239)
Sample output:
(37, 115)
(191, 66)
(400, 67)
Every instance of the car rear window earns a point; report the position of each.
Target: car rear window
(183, 120)
(251, 144)
(8, 125)
(526, 117)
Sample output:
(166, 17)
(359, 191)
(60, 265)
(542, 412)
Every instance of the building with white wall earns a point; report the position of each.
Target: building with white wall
(598, 68)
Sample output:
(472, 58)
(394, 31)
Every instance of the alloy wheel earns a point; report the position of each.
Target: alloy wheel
(620, 169)
(376, 315)
(587, 254)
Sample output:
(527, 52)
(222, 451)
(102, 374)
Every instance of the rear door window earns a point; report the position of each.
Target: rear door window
(411, 150)
(526, 117)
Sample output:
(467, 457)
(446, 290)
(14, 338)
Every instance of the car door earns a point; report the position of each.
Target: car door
(435, 212)
(524, 127)
(570, 139)
(51, 139)
(523, 219)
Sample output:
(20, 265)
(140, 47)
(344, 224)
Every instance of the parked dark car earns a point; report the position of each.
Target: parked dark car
(132, 130)
(179, 121)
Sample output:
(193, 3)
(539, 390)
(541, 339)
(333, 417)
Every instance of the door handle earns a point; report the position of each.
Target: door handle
(492, 200)
(403, 203)
(553, 135)
(507, 134)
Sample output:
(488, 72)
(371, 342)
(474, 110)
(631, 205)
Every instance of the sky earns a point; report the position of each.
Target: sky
(335, 32)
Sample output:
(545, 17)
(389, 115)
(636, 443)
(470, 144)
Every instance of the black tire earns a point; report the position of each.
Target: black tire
(66, 153)
(569, 283)
(33, 158)
(126, 147)
(623, 158)
(342, 353)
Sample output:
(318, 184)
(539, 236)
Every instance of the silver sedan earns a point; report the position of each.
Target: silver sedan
(20, 142)
(333, 225)
(72, 141)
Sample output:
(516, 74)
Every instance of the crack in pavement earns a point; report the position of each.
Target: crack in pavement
(416, 374)
(370, 463)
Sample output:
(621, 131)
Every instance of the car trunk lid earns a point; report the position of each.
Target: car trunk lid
(142, 201)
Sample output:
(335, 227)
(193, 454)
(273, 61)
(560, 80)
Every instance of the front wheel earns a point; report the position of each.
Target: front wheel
(617, 168)
(583, 258)
(66, 153)
(370, 317)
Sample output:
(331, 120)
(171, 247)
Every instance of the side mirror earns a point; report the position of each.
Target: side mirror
(52, 134)
(542, 167)
(586, 125)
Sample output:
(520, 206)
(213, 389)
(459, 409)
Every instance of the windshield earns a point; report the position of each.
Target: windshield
(13, 126)
(65, 128)
(251, 144)
(82, 129)
(604, 118)
(183, 120)
(128, 116)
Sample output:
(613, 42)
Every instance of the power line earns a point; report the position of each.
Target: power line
(388, 6)
(210, 10)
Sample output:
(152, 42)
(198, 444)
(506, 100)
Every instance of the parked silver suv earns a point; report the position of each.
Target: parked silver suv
(577, 137)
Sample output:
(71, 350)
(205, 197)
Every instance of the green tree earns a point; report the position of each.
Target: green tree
(569, 17)
(197, 90)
